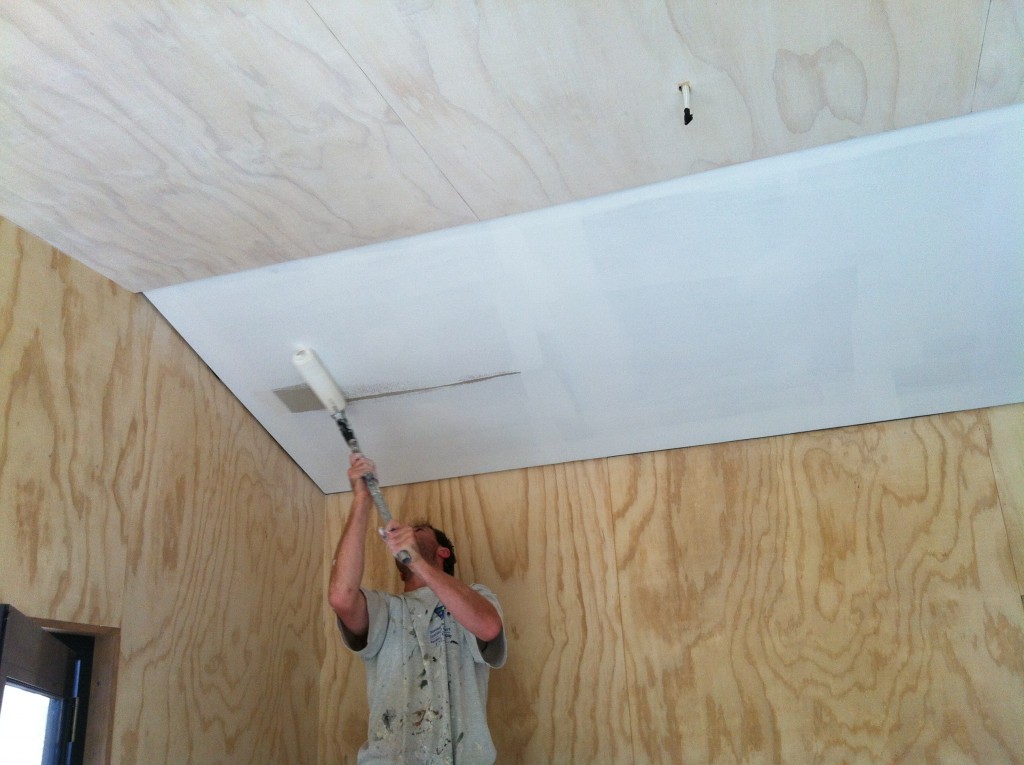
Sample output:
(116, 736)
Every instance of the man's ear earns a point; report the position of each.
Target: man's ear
(444, 552)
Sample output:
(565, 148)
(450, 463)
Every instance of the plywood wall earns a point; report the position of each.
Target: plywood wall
(1007, 424)
(842, 596)
(136, 493)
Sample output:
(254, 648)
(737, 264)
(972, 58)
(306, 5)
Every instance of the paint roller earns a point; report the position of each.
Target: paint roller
(322, 384)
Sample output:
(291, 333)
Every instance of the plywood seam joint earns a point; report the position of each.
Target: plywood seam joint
(981, 52)
(397, 114)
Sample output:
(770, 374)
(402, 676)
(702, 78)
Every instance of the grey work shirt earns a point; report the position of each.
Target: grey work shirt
(426, 681)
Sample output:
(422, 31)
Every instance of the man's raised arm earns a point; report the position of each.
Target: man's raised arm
(343, 593)
(470, 609)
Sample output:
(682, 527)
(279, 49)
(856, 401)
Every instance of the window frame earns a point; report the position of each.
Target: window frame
(34, 659)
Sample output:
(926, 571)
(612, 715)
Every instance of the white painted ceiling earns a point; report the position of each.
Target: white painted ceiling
(874, 279)
(163, 143)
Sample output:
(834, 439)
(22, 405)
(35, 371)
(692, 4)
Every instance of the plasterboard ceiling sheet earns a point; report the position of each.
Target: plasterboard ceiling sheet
(868, 280)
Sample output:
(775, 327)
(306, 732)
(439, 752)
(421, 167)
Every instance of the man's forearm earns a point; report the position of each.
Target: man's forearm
(470, 609)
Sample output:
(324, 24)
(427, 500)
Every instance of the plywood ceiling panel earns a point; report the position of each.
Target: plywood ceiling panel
(1001, 71)
(554, 102)
(867, 280)
(161, 142)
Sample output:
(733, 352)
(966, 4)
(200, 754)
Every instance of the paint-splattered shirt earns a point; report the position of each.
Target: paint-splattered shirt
(426, 681)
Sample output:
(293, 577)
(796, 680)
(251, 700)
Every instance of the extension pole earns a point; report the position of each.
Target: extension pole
(322, 384)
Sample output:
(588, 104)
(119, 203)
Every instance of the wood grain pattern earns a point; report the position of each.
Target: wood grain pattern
(843, 596)
(66, 448)
(1001, 69)
(137, 494)
(1007, 426)
(221, 568)
(163, 142)
(541, 539)
(591, 105)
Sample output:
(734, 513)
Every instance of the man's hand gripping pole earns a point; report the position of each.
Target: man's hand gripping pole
(372, 485)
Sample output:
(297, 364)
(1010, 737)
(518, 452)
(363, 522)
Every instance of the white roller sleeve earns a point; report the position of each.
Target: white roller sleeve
(319, 379)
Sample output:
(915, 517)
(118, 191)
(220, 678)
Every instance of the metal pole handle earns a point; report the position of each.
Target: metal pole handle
(372, 485)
